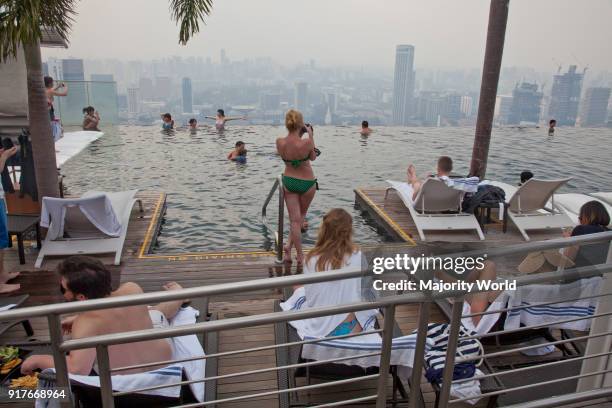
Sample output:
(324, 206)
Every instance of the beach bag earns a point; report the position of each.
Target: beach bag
(435, 357)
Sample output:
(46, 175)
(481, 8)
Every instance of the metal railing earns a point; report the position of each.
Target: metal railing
(386, 303)
(279, 233)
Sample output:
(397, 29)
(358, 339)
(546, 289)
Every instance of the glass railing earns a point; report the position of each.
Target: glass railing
(101, 95)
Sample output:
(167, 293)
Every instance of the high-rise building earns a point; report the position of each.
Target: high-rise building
(270, 101)
(147, 91)
(133, 99)
(403, 84)
(163, 87)
(332, 102)
(187, 96)
(466, 105)
(54, 68)
(452, 111)
(594, 110)
(565, 97)
(503, 103)
(102, 77)
(301, 96)
(73, 70)
(431, 107)
(103, 96)
(526, 102)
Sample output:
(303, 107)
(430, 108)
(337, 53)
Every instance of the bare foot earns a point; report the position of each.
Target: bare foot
(411, 172)
(7, 288)
(5, 277)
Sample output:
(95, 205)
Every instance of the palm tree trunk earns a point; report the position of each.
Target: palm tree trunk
(496, 33)
(43, 146)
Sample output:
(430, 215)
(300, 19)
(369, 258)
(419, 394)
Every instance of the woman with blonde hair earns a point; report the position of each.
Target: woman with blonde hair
(299, 182)
(335, 249)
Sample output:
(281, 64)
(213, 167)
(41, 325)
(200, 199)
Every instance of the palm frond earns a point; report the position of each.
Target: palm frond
(21, 22)
(188, 14)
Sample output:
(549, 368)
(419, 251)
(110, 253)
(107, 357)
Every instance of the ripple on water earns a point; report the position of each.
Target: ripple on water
(214, 204)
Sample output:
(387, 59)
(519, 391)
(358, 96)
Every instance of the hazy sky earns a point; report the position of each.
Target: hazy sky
(446, 33)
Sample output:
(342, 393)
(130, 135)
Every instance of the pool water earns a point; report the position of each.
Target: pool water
(215, 204)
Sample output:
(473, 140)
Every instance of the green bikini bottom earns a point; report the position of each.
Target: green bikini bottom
(298, 186)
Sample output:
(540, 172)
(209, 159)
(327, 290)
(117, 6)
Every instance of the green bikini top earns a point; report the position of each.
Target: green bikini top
(297, 162)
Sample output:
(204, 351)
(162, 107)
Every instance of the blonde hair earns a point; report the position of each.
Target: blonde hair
(294, 120)
(335, 240)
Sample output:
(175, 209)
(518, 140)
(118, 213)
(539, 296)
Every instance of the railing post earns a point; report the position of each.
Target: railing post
(600, 344)
(106, 385)
(416, 398)
(281, 220)
(449, 363)
(385, 356)
(59, 358)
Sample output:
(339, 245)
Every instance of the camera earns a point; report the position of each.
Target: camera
(305, 128)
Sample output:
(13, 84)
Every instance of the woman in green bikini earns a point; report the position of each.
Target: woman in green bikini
(299, 181)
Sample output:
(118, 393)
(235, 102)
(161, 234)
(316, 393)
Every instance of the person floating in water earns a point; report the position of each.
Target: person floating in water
(220, 119)
(239, 153)
(193, 124)
(551, 127)
(365, 128)
(91, 119)
(167, 122)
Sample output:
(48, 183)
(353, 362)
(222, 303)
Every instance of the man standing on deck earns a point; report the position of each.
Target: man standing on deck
(5, 276)
(84, 278)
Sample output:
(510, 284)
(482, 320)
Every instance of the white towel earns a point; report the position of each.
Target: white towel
(533, 295)
(402, 352)
(97, 208)
(182, 347)
(467, 184)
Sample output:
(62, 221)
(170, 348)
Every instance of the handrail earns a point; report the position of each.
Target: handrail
(290, 280)
(389, 303)
(278, 234)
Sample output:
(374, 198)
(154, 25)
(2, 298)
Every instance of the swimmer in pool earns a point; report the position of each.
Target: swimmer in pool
(193, 124)
(167, 122)
(239, 153)
(365, 128)
(220, 119)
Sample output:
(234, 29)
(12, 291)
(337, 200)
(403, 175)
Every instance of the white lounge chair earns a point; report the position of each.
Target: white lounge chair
(96, 223)
(607, 197)
(572, 202)
(528, 209)
(436, 207)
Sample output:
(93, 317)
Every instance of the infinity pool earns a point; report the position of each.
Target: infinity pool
(214, 204)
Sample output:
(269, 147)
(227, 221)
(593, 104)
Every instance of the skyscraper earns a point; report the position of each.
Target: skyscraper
(301, 96)
(133, 96)
(187, 96)
(73, 70)
(565, 97)
(403, 84)
(525, 107)
(594, 110)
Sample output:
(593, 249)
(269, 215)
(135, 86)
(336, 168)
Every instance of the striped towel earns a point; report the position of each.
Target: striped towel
(536, 314)
(468, 184)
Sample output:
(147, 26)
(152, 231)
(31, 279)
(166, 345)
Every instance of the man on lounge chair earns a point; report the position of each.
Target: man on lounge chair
(444, 169)
(84, 278)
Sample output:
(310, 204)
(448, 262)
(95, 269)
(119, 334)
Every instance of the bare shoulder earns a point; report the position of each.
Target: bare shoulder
(128, 288)
(86, 325)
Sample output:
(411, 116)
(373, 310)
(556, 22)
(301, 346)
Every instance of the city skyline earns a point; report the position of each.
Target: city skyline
(448, 33)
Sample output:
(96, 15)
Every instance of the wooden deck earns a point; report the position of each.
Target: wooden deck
(198, 269)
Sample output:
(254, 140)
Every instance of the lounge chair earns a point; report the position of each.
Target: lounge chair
(607, 197)
(285, 333)
(11, 302)
(436, 207)
(528, 208)
(571, 203)
(89, 396)
(74, 233)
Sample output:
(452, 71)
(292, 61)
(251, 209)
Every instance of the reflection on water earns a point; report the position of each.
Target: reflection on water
(215, 204)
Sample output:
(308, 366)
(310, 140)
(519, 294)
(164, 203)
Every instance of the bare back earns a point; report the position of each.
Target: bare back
(294, 148)
(120, 320)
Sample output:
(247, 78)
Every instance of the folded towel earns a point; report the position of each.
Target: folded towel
(533, 295)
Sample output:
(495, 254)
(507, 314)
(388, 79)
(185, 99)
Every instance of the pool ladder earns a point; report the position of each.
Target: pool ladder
(278, 234)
